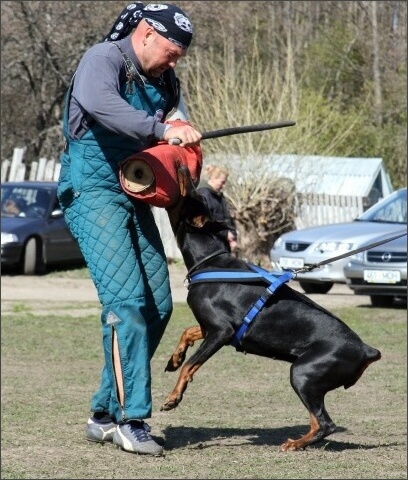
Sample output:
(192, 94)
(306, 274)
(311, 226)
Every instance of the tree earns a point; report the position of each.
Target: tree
(337, 68)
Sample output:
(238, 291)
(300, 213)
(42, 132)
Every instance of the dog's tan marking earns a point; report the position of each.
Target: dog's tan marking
(301, 443)
(186, 376)
(187, 339)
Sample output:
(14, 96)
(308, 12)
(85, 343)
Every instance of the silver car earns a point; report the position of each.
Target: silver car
(380, 272)
(309, 246)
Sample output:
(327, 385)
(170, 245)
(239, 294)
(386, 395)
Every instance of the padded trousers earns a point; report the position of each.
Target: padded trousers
(123, 250)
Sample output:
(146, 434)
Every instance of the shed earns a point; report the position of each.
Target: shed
(329, 189)
(361, 177)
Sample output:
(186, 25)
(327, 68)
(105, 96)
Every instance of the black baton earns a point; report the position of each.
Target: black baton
(225, 132)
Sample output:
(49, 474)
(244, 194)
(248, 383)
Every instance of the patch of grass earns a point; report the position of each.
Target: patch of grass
(20, 307)
(230, 424)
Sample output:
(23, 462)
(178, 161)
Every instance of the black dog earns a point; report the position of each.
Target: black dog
(324, 352)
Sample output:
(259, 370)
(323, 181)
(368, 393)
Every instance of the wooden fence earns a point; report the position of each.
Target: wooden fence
(320, 209)
(313, 209)
(16, 169)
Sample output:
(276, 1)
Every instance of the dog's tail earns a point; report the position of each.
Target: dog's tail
(371, 355)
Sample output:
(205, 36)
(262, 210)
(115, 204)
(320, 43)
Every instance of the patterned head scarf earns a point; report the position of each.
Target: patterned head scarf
(168, 21)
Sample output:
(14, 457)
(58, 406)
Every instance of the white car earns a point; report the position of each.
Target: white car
(301, 248)
(380, 272)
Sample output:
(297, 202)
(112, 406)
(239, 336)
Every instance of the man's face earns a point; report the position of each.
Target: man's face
(159, 55)
(11, 207)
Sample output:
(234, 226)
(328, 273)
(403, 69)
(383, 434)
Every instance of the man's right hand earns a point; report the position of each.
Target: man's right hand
(185, 135)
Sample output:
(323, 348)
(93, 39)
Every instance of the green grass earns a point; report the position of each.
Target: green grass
(233, 417)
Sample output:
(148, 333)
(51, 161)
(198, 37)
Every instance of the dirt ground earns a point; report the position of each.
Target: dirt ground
(19, 288)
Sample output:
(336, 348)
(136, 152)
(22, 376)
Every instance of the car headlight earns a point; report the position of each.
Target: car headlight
(358, 257)
(327, 247)
(278, 243)
(8, 238)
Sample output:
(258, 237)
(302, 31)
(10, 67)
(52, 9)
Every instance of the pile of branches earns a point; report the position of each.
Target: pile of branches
(262, 214)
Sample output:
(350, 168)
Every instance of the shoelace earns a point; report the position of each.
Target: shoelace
(140, 430)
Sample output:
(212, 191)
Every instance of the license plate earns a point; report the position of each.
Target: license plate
(287, 262)
(382, 276)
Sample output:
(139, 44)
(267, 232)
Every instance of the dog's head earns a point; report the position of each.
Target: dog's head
(191, 213)
(191, 207)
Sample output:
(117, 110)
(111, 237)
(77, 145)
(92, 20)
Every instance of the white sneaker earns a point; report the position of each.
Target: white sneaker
(134, 437)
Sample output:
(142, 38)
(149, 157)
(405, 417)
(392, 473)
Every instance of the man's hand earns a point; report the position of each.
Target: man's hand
(232, 241)
(185, 135)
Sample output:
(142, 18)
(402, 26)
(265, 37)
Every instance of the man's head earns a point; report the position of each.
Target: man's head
(155, 52)
(14, 205)
(168, 20)
(162, 36)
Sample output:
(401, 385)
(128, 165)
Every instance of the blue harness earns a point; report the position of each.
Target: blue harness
(274, 281)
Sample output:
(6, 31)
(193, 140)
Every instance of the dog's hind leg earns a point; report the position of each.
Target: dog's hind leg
(314, 435)
(307, 379)
(187, 339)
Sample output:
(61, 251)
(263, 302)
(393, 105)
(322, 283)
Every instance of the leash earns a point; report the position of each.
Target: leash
(344, 255)
(205, 259)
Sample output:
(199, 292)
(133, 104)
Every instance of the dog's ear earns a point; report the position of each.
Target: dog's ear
(185, 181)
(198, 214)
(191, 207)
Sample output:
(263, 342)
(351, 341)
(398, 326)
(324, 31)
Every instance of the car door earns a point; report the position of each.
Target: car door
(60, 245)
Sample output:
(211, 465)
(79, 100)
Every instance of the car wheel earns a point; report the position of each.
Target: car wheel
(316, 287)
(32, 260)
(381, 300)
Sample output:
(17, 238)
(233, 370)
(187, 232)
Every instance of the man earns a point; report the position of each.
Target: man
(121, 94)
(15, 206)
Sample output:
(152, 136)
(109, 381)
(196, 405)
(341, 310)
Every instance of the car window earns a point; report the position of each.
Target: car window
(28, 202)
(392, 209)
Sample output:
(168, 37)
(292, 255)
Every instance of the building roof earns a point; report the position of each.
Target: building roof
(325, 175)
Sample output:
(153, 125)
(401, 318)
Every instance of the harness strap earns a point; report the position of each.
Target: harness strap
(259, 304)
(232, 275)
(273, 279)
(225, 275)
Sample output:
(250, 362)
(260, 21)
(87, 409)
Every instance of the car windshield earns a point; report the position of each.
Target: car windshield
(392, 209)
(29, 202)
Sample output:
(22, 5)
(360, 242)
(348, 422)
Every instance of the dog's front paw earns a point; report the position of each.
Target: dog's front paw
(176, 360)
(171, 367)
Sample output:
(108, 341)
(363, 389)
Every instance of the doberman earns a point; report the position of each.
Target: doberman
(324, 352)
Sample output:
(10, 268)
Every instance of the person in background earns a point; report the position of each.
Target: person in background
(211, 190)
(14, 206)
(120, 96)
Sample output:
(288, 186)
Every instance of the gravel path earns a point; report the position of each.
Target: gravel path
(18, 288)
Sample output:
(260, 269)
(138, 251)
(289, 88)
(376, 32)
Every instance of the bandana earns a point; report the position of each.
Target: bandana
(168, 21)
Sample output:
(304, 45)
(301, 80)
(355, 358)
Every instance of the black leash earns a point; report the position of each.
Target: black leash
(344, 255)
(201, 262)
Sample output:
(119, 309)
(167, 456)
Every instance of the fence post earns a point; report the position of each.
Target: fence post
(49, 170)
(4, 170)
(18, 154)
(41, 168)
(33, 171)
(57, 169)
